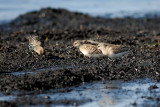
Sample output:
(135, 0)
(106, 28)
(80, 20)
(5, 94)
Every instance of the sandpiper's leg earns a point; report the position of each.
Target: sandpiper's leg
(110, 59)
(32, 55)
(98, 64)
(84, 57)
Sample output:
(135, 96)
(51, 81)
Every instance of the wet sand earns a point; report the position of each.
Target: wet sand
(58, 29)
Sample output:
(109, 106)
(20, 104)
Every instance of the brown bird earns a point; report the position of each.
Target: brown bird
(88, 49)
(113, 51)
(35, 45)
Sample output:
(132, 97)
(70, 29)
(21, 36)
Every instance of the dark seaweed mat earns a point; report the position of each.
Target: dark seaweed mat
(58, 28)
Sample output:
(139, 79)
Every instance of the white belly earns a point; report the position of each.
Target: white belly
(85, 52)
(91, 55)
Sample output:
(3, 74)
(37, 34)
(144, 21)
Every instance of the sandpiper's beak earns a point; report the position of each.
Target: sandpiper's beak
(72, 46)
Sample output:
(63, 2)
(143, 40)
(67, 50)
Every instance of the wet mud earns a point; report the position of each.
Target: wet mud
(58, 28)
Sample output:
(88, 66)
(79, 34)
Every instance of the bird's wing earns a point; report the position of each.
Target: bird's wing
(95, 42)
(92, 42)
(92, 49)
(119, 48)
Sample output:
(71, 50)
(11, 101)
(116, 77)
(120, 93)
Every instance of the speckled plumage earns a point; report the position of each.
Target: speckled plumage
(35, 45)
(88, 49)
(112, 51)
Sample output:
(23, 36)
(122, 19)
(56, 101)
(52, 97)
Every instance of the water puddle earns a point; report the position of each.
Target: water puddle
(109, 93)
(7, 98)
(39, 70)
(103, 94)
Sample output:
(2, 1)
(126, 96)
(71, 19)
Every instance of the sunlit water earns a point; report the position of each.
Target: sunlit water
(102, 94)
(10, 9)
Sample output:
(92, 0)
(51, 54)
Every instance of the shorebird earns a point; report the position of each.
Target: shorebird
(35, 45)
(112, 51)
(89, 50)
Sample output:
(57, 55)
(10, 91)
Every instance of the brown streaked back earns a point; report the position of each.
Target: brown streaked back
(92, 49)
(118, 48)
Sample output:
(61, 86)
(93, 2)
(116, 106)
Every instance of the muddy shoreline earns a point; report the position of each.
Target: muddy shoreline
(58, 28)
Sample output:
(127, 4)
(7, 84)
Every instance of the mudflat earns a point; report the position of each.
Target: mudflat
(63, 65)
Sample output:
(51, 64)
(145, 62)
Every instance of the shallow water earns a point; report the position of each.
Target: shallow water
(10, 9)
(102, 93)
(40, 70)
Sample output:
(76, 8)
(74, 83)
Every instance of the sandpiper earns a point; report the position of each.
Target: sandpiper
(112, 51)
(35, 45)
(88, 49)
